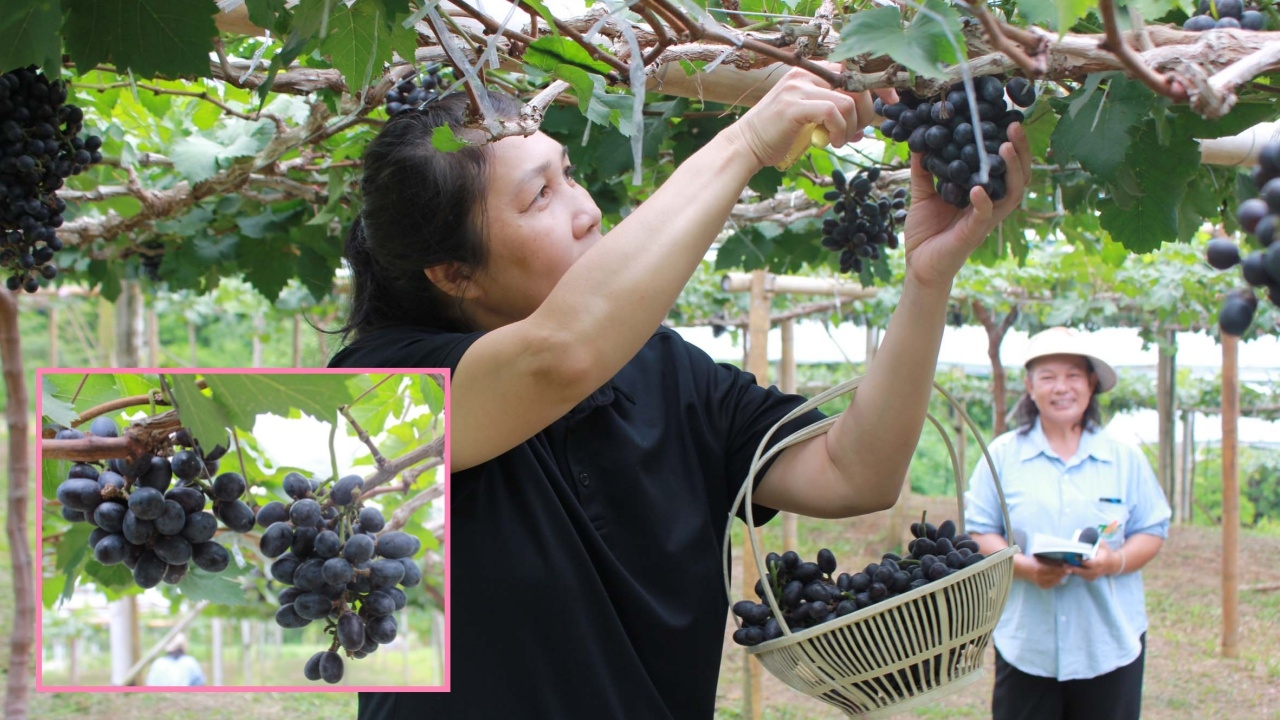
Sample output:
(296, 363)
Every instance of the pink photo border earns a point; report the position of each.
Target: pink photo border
(448, 566)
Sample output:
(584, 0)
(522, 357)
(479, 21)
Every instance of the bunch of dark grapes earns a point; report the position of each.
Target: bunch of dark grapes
(943, 129)
(1224, 14)
(342, 567)
(411, 95)
(809, 593)
(39, 148)
(156, 530)
(1259, 217)
(865, 224)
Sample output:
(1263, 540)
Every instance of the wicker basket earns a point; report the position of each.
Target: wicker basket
(899, 653)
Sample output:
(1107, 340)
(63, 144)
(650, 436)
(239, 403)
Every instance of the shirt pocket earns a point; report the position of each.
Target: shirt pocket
(1109, 518)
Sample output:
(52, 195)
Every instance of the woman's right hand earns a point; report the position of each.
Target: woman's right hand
(1044, 574)
(799, 100)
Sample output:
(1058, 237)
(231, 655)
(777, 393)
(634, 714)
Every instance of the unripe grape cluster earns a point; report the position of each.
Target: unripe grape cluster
(412, 95)
(40, 146)
(155, 530)
(942, 128)
(810, 594)
(1260, 269)
(342, 567)
(865, 225)
(1212, 14)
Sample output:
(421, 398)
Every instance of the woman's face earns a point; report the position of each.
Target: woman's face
(1061, 386)
(538, 221)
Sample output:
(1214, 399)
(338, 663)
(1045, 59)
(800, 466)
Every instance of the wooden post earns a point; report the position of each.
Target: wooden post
(216, 663)
(787, 384)
(120, 631)
(246, 660)
(758, 365)
(1165, 400)
(191, 344)
(873, 344)
(1230, 496)
(153, 336)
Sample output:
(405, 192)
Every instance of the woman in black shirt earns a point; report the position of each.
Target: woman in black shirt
(594, 455)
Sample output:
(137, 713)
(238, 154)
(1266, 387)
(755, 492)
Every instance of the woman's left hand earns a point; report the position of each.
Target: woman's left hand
(1106, 562)
(939, 237)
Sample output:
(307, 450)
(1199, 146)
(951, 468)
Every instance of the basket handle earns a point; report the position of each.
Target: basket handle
(819, 428)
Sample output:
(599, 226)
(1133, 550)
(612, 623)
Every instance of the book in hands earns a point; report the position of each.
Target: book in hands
(1083, 545)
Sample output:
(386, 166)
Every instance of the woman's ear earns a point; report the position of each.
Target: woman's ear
(453, 279)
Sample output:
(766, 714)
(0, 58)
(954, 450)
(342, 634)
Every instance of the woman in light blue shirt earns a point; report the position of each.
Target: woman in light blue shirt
(1071, 641)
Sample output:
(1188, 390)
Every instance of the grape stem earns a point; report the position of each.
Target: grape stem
(378, 459)
(402, 514)
(998, 34)
(432, 449)
(1114, 43)
(134, 443)
(120, 404)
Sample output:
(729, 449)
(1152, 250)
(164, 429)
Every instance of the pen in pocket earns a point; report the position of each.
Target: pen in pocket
(1115, 501)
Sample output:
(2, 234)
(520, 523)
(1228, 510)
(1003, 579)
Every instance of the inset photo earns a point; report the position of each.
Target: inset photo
(255, 529)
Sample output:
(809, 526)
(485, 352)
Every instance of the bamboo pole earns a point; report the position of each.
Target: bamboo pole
(797, 285)
(1230, 496)
(757, 365)
(787, 384)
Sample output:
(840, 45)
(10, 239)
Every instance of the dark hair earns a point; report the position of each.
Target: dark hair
(422, 207)
(1026, 412)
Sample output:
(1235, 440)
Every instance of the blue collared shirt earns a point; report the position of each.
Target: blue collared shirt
(1079, 629)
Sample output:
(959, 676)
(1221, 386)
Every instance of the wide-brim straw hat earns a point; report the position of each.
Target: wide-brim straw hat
(1065, 341)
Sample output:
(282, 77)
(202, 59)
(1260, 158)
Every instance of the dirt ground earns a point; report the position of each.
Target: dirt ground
(1186, 675)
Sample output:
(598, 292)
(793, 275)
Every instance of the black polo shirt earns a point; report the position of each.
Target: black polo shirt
(586, 563)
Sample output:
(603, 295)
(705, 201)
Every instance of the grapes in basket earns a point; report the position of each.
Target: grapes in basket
(810, 593)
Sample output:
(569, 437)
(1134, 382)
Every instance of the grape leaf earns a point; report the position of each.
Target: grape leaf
(358, 43)
(444, 140)
(547, 15)
(921, 47)
(267, 264)
(433, 395)
(149, 37)
(1149, 216)
(117, 577)
(318, 257)
(1098, 135)
(244, 396)
(583, 86)
(30, 30)
(199, 413)
(200, 585)
(56, 409)
(1057, 15)
(266, 14)
(51, 474)
(88, 389)
(195, 158)
(51, 588)
(549, 52)
(73, 546)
